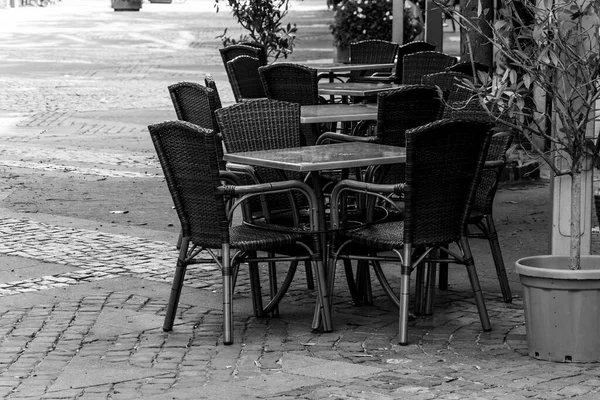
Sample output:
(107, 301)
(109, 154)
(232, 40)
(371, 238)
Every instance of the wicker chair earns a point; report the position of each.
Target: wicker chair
(397, 111)
(409, 48)
(466, 67)
(197, 104)
(263, 125)
(189, 161)
(443, 164)
(230, 52)
(415, 65)
(296, 84)
(461, 103)
(243, 76)
(372, 51)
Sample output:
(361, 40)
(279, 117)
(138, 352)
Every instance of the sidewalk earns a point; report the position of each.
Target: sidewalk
(87, 243)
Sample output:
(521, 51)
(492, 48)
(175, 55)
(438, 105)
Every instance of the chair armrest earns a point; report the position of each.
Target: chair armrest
(245, 192)
(335, 137)
(230, 177)
(349, 185)
(494, 164)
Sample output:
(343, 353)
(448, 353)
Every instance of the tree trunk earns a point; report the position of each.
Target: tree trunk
(575, 253)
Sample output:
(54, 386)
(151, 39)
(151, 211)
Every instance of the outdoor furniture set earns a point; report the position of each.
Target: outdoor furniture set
(259, 182)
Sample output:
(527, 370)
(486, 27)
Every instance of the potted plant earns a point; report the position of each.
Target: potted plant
(544, 86)
(262, 21)
(126, 5)
(356, 20)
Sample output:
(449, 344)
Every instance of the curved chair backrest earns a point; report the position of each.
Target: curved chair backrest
(294, 83)
(466, 67)
(444, 160)
(263, 57)
(449, 82)
(187, 155)
(490, 178)
(262, 125)
(372, 51)
(415, 65)
(409, 48)
(194, 103)
(402, 109)
(290, 82)
(197, 104)
(244, 79)
(230, 52)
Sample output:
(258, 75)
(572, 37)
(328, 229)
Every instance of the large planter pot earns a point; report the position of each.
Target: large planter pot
(562, 308)
(126, 5)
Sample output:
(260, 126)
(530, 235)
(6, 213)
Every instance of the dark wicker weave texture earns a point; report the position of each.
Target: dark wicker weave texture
(415, 65)
(409, 48)
(402, 109)
(197, 104)
(443, 159)
(262, 125)
(243, 76)
(189, 162)
(372, 51)
(296, 84)
(230, 52)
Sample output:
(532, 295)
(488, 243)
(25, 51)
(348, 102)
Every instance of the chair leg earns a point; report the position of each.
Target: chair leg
(443, 274)
(419, 306)
(352, 286)
(475, 285)
(310, 280)
(363, 280)
(430, 288)
(227, 295)
(177, 285)
(273, 284)
(404, 294)
(255, 289)
(498, 260)
(179, 240)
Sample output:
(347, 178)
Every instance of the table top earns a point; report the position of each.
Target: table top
(322, 157)
(340, 67)
(337, 113)
(355, 88)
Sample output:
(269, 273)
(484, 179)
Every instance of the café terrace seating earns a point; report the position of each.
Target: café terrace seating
(415, 65)
(243, 76)
(203, 203)
(372, 51)
(443, 166)
(462, 103)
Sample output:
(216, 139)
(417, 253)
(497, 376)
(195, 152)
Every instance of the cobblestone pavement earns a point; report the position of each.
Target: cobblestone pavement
(83, 292)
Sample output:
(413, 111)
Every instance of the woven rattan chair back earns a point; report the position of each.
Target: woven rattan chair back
(197, 104)
(372, 51)
(402, 109)
(296, 84)
(443, 166)
(243, 76)
(262, 125)
(290, 82)
(189, 161)
(466, 67)
(230, 52)
(486, 190)
(409, 48)
(415, 65)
